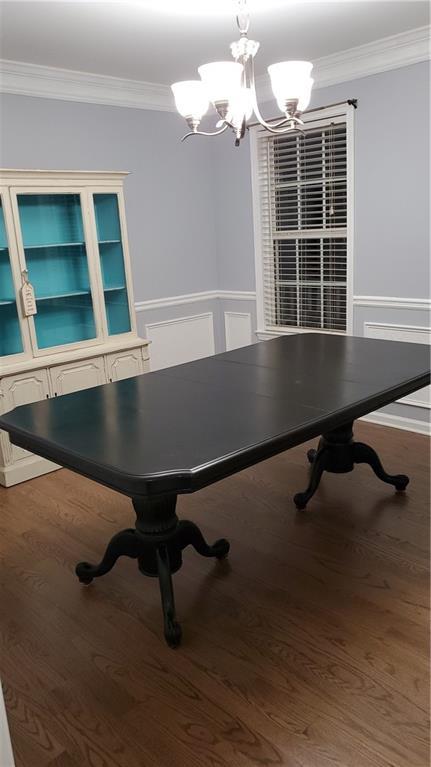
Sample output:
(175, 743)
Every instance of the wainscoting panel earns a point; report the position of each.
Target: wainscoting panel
(412, 334)
(180, 340)
(237, 326)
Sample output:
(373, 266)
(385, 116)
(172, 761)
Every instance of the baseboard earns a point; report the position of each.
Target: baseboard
(398, 422)
(21, 471)
(6, 755)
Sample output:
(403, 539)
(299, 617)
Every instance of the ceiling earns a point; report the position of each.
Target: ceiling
(162, 41)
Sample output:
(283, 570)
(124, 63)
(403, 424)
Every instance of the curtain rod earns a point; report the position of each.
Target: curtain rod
(351, 102)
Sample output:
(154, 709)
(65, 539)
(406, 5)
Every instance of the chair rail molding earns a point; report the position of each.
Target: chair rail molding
(391, 302)
(192, 298)
(381, 55)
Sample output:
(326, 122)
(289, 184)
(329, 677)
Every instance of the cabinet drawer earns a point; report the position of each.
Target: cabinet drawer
(75, 376)
(125, 364)
(21, 389)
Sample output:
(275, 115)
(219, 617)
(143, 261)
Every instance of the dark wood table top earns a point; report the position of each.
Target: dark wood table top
(179, 429)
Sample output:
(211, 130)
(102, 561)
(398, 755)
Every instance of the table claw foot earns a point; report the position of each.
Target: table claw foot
(173, 632)
(401, 482)
(83, 571)
(220, 548)
(124, 543)
(300, 500)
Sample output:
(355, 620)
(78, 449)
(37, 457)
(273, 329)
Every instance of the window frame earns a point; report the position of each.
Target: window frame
(318, 119)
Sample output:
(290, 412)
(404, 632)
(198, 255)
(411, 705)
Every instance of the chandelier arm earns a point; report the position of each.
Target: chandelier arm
(274, 128)
(205, 133)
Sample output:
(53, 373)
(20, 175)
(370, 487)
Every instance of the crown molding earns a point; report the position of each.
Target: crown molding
(67, 85)
(382, 55)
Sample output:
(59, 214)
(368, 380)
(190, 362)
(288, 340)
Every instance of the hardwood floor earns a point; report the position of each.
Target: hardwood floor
(308, 647)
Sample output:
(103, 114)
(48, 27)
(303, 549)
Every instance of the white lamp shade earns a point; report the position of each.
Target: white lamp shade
(290, 80)
(305, 97)
(221, 79)
(191, 99)
(240, 106)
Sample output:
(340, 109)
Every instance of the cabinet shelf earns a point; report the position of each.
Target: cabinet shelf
(54, 245)
(113, 288)
(64, 295)
(109, 242)
(7, 302)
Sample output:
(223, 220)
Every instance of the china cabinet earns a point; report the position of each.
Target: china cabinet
(67, 320)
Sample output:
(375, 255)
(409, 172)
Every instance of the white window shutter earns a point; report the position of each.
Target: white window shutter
(302, 181)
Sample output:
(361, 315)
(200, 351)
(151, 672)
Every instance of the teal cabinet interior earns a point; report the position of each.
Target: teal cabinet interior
(56, 259)
(112, 262)
(10, 333)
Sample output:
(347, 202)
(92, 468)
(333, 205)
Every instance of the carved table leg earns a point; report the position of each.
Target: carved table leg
(171, 626)
(318, 467)
(363, 453)
(190, 535)
(157, 543)
(338, 452)
(124, 543)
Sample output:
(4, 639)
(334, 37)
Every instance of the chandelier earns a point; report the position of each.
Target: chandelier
(230, 87)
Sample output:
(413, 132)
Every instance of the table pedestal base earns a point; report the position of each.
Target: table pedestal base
(338, 452)
(157, 542)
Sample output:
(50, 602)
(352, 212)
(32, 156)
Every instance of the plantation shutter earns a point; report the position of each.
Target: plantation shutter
(303, 223)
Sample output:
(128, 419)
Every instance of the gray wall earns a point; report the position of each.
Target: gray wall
(189, 206)
(169, 199)
(391, 188)
(391, 243)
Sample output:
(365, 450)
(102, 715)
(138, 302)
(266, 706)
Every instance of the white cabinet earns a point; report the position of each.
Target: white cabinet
(63, 239)
(76, 376)
(124, 364)
(24, 388)
(14, 391)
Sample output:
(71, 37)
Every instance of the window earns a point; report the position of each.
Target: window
(302, 196)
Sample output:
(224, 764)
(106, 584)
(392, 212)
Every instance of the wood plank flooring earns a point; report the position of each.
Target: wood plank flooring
(308, 647)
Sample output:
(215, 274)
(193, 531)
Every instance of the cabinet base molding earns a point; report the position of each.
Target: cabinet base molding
(26, 468)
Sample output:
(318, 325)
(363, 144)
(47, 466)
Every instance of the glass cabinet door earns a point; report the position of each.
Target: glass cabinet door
(56, 258)
(10, 332)
(112, 262)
